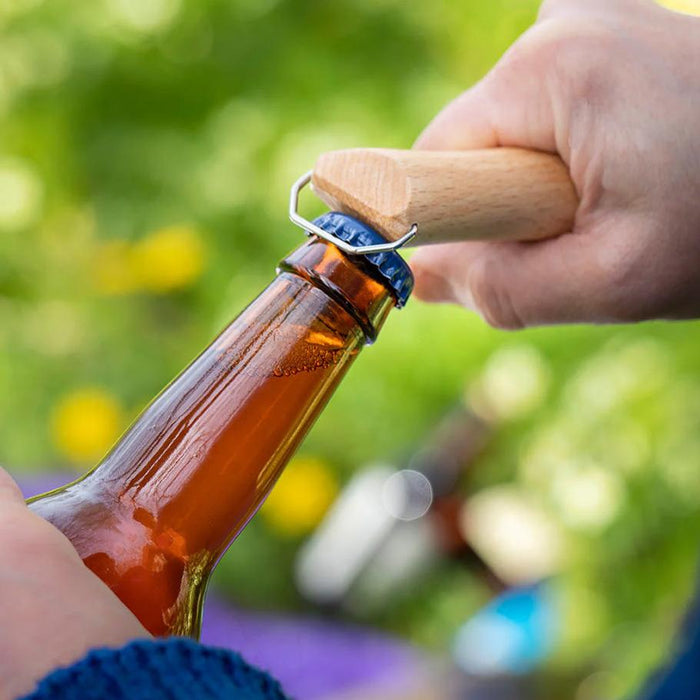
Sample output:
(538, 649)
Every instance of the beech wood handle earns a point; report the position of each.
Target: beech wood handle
(488, 194)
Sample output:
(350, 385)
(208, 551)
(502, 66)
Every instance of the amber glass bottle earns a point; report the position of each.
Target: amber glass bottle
(153, 518)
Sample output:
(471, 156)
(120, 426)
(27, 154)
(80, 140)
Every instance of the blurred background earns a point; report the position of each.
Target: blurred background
(146, 151)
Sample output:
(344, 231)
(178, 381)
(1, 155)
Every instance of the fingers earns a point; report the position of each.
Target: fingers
(441, 272)
(9, 491)
(514, 285)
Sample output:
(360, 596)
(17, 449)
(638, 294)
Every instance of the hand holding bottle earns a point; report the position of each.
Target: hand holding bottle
(52, 608)
(614, 88)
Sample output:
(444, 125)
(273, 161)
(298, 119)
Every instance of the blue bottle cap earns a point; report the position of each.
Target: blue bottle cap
(388, 268)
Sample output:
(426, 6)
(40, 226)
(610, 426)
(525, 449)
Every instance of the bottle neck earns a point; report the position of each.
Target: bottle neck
(348, 281)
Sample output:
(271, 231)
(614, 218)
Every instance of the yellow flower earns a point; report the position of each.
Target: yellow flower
(85, 423)
(691, 7)
(169, 258)
(301, 497)
(112, 269)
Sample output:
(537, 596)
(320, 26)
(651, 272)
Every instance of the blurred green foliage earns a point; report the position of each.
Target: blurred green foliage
(120, 119)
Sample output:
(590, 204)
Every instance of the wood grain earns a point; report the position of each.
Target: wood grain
(489, 194)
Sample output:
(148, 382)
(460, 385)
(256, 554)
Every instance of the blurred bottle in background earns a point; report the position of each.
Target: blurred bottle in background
(390, 526)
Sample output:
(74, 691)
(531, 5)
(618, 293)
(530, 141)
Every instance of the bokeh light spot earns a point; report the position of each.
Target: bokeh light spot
(148, 16)
(301, 497)
(514, 382)
(85, 423)
(168, 259)
(21, 194)
(690, 7)
(589, 498)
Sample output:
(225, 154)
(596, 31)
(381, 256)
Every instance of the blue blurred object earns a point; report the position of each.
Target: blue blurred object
(680, 678)
(511, 635)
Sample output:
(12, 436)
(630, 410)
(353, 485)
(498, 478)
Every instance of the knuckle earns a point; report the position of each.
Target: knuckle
(584, 58)
(492, 296)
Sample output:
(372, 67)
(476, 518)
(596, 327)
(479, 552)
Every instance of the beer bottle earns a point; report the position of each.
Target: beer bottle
(152, 519)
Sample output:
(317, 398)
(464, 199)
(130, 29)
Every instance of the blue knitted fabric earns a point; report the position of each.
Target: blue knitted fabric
(163, 669)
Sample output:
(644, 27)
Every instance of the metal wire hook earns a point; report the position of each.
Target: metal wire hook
(311, 229)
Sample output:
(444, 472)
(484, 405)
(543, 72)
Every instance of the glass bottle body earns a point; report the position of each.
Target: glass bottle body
(155, 515)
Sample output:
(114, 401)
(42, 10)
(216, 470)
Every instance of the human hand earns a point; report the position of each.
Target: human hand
(613, 86)
(52, 608)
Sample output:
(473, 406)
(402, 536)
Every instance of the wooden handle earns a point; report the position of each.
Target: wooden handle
(490, 194)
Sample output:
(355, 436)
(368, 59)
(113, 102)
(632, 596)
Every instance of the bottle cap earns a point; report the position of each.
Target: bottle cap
(389, 268)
